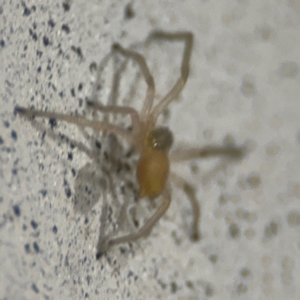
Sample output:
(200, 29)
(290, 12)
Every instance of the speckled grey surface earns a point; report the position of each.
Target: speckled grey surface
(244, 83)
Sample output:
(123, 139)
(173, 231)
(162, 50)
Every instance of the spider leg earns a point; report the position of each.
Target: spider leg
(123, 110)
(184, 70)
(147, 75)
(232, 152)
(144, 230)
(191, 195)
(77, 120)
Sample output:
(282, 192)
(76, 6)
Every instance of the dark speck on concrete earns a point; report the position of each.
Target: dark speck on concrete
(80, 86)
(54, 229)
(52, 123)
(70, 156)
(88, 279)
(43, 192)
(51, 23)
(27, 248)
(46, 41)
(35, 288)
(98, 144)
(67, 189)
(6, 124)
(73, 92)
(24, 227)
(78, 51)
(123, 250)
(1, 140)
(67, 260)
(130, 273)
(14, 135)
(66, 6)
(65, 28)
(17, 210)
(234, 230)
(39, 69)
(93, 67)
(26, 12)
(33, 34)
(36, 247)
(2, 43)
(19, 110)
(98, 255)
(34, 224)
(129, 12)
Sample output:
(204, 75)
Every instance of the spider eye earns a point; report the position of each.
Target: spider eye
(161, 138)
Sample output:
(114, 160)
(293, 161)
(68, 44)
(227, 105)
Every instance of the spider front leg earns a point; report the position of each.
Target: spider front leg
(143, 231)
(77, 120)
(123, 110)
(188, 39)
(147, 76)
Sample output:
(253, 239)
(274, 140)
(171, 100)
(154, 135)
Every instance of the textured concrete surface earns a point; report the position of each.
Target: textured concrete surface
(55, 196)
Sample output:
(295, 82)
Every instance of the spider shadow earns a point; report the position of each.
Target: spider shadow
(109, 170)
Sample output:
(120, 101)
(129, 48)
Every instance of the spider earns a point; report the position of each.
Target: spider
(153, 143)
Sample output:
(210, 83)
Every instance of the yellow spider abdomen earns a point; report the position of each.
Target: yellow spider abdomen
(152, 172)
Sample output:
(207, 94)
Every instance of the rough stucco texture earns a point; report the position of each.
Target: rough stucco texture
(60, 190)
